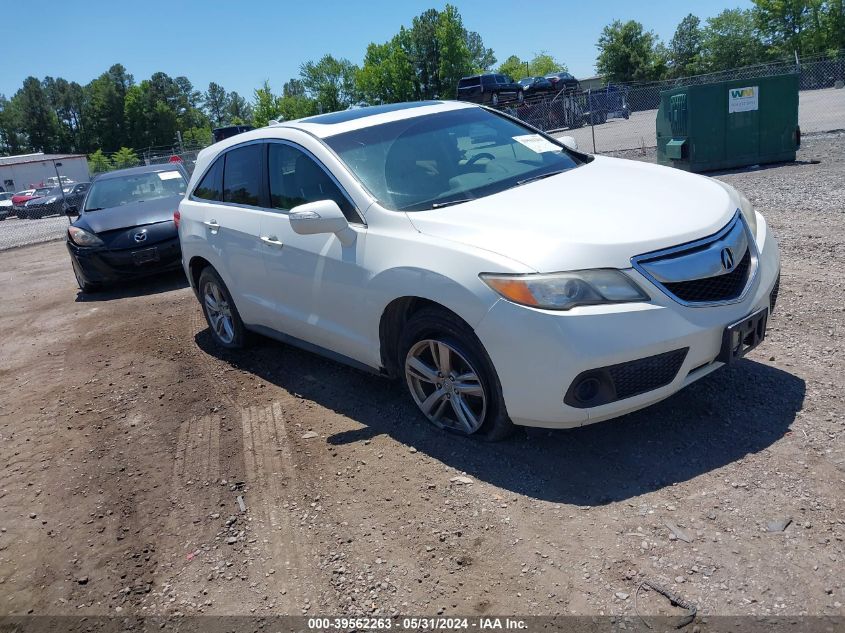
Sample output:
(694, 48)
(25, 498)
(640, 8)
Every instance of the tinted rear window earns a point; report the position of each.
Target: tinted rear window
(242, 175)
(211, 186)
(469, 83)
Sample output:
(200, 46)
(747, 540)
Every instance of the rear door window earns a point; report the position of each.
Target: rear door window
(242, 175)
(211, 186)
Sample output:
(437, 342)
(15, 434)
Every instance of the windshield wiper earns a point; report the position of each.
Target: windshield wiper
(540, 177)
(440, 205)
(95, 209)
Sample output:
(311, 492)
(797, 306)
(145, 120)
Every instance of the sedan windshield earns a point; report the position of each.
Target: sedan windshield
(116, 192)
(430, 161)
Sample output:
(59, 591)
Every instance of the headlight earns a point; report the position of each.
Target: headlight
(562, 291)
(745, 207)
(81, 237)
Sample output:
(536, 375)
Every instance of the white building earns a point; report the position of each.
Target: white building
(30, 170)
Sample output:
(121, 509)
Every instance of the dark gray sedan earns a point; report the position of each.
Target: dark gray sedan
(126, 228)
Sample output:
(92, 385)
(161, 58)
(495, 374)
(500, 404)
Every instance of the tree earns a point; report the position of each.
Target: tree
(330, 82)
(790, 26)
(481, 57)
(730, 40)
(293, 88)
(239, 111)
(216, 104)
(265, 106)
(685, 47)
(98, 162)
(455, 58)
(37, 118)
(124, 157)
(833, 25)
(11, 141)
(104, 106)
(627, 52)
(540, 65)
(387, 75)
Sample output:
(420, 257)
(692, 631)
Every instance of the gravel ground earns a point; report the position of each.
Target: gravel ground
(127, 439)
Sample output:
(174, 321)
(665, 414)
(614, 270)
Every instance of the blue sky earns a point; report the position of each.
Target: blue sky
(240, 44)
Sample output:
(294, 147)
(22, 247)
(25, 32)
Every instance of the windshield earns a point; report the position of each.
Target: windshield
(115, 192)
(427, 161)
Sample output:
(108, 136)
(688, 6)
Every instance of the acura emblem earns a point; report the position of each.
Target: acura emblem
(142, 237)
(727, 259)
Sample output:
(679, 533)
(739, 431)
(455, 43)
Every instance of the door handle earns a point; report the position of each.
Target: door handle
(272, 240)
(212, 224)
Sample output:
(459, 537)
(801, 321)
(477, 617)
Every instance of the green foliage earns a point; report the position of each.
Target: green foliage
(627, 52)
(387, 75)
(330, 82)
(265, 106)
(540, 65)
(424, 61)
(788, 25)
(216, 104)
(730, 40)
(684, 54)
(99, 162)
(197, 137)
(124, 157)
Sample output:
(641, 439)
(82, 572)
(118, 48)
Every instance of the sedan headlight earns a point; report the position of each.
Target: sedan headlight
(562, 291)
(81, 237)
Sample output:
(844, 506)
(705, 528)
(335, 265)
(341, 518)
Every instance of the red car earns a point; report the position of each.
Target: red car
(22, 197)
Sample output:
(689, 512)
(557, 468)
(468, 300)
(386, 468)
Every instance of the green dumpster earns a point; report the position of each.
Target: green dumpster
(729, 123)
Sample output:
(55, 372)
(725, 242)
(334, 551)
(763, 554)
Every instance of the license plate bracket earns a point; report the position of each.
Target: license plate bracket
(741, 337)
(145, 256)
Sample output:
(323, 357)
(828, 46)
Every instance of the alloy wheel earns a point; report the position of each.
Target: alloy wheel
(445, 386)
(219, 312)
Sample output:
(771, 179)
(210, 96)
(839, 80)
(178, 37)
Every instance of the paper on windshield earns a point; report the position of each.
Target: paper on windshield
(537, 143)
(169, 175)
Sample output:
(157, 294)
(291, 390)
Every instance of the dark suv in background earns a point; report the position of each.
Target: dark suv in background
(489, 88)
(564, 81)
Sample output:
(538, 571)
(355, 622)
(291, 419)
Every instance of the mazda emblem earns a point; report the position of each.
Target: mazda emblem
(727, 259)
(142, 237)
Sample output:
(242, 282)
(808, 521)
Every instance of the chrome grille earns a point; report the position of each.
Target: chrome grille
(715, 270)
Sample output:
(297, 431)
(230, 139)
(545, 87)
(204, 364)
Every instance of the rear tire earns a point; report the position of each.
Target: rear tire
(224, 321)
(450, 377)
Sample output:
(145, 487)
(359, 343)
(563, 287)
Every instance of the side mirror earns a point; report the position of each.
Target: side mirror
(323, 216)
(570, 142)
(71, 210)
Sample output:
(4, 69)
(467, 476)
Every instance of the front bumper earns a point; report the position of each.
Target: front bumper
(538, 353)
(101, 265)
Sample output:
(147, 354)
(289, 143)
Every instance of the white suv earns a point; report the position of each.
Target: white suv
(506, 278)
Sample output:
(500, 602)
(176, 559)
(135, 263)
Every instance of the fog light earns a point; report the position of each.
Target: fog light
(587, 389)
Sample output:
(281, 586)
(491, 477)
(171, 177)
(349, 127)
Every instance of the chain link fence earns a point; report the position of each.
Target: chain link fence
(622, 116)
(22, 225)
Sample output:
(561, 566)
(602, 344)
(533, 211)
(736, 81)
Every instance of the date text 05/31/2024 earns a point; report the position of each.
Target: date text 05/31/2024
(417, 623)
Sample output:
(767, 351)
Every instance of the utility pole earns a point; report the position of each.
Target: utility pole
(61, 188)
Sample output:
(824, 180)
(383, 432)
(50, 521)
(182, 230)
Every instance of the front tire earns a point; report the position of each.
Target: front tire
(223, 319)
(495, 99)
(450, 377)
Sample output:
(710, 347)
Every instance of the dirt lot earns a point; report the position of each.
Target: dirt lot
(126, 438)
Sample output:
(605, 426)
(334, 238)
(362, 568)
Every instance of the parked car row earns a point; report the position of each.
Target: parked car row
(32, 204)
(5, 204)
(494, 302)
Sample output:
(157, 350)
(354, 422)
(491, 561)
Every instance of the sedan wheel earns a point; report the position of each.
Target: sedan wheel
(445, 386)
(219, 313)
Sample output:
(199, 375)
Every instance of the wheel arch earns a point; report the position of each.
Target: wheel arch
(195, 267)
(392, 321)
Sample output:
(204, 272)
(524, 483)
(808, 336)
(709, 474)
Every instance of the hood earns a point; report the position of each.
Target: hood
(598, 215)
(19, 200)
(132, 214)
